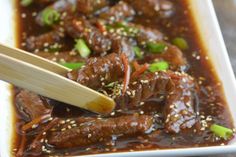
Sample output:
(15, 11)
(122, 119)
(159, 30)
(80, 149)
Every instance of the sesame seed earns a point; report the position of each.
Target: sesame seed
(23, 15)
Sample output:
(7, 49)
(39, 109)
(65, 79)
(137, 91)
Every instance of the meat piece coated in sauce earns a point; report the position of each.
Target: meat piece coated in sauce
(60, 6)
(172, 54)
(30, 105)
(144, 87)
(153, 8)
(98, 130)
(91, 6)
(123, 46)
(179, 107)
(81, 28)
(99, 71)
(177, 88)
(43, 41)
(119, 12)
(148, 34)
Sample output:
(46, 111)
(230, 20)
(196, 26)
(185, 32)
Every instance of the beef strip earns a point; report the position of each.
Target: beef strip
(172, 54)
(177, 88)
(144, 87)
(123, 45)
(82, 28)
(43, 41)
(99, 130)
(153, 8)
(179, 108)
(90, 6)
(67, 56)
(99, 71)
(63, 7)
(30, 105)
(148, 34)
(119, 12)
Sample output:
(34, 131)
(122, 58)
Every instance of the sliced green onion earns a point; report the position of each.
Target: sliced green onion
(180, 43)
(82, 48)
(26, 3)
(73, 65)
(138, 52)
(154, 47)
(221, 131)
(50, 16)
(111, 85)
(158, 66)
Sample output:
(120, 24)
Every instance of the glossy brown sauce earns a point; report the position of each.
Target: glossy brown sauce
(211, 99)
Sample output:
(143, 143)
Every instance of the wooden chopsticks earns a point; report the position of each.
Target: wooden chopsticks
(46, 78)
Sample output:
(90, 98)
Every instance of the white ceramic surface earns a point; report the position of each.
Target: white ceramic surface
(211, 36)
(7, 28)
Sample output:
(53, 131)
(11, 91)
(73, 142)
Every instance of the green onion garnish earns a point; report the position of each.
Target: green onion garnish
(180, 43)
(50, 16)
(158, 66)
(154, 47)
(111, 85)
(138, 52)
(221, 131)
(26, 3)
(73, 65)
(82, 48)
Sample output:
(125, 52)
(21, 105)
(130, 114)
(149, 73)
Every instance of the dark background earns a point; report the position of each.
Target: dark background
(226, 13)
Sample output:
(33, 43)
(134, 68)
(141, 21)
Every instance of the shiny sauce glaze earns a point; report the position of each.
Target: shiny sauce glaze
(145, 121)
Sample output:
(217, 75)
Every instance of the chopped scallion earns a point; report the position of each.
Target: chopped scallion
(138, 52)
(158, 66)
(82, 48)
(221, 131)
(180, 43)
(73, 65)
(26, 3)
(50, 16)
(111, 85)
(155, 47)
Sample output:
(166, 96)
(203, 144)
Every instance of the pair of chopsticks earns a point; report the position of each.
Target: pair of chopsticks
(46, 78)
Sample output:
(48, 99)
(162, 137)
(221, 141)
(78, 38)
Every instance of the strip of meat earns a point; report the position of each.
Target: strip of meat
(99, 130)
(148, 34)
(99, 71)
(67, 56)
(44, 41)
(65, 7)
(81, 28)
(172, 54)
(30, 105)
(153, 8)
(123, 45)
(179, 108)
(61, 6)
(177, 88)
(145, 87)
(91, 6)
(119, 12)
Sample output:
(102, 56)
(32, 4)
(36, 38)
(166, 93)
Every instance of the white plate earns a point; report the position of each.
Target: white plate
(206, 20)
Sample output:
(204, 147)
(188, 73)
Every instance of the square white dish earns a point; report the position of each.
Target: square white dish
(210, 34)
